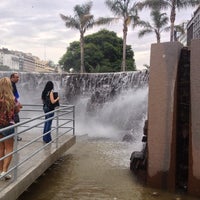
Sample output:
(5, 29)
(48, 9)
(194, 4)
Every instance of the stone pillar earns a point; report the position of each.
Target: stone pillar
(194, 137)
(162, 114)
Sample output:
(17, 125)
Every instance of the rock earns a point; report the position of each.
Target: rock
(128, 137)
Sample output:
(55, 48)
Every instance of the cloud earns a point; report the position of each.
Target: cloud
(34, 26)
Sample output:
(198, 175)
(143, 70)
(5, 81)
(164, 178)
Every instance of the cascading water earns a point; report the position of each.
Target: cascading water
(110, 105)
(115, 118)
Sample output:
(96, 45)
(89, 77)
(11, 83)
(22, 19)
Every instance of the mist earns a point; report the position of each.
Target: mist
(125, 114)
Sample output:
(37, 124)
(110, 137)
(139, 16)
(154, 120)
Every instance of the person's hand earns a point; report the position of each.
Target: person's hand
(17, 109)
(20, 105)
(57, 99)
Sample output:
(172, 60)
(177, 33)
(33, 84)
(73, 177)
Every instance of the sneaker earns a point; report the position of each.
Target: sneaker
(5, 177)
(19, 138)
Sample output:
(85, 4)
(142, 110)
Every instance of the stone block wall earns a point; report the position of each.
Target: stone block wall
(162, 118)
(194, 146)
(162, 114)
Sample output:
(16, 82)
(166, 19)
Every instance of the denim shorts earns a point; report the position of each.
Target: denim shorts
(7, 132)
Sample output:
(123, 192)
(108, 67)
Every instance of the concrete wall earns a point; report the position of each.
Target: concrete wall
(162, 114)
(194, 153)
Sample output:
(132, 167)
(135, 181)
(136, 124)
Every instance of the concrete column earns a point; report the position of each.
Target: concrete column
(162, 114)
(194, 151)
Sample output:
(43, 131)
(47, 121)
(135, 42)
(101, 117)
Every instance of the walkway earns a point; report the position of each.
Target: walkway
(34, 167)
(31, 157)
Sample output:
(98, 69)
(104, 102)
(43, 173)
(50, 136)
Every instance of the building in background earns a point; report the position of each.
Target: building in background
(182, 37)
(7, 58)
(24, 62)
(29, 63)
(193, 27)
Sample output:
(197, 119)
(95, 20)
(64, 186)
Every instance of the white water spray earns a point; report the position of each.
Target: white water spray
(124, 114)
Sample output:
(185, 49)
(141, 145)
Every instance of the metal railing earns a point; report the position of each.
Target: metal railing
(30, 128)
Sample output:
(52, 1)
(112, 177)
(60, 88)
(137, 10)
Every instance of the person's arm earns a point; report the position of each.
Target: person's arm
(18, 106)
(52, 98)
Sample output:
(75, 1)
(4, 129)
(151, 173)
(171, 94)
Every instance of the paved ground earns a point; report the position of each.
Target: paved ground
(30, 170)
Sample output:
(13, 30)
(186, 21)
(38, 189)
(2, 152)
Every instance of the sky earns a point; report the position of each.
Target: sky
(35, 26)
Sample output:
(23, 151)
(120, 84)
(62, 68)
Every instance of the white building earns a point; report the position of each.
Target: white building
(19, 61)
(193, 27)
(9, 59)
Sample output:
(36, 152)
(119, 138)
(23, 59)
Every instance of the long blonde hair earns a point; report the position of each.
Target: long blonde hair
(7, 101)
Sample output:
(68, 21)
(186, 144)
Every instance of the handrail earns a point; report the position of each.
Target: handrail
(30, 120)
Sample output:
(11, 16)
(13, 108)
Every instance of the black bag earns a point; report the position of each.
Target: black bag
(55, 95)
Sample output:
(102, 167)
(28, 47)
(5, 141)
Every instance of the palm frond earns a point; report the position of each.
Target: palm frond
(144, 24)
(115, 6)
(184, 4)
(155, 4)
(104, 20)
(63, 17)
(159, 19)
(86, 19)
(70, 22)
(83, 9)
(144, 32)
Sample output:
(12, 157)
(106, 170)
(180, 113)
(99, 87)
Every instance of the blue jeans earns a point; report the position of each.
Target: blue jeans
(47, 125)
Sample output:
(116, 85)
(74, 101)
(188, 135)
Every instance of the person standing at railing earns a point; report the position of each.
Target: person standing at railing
(48, 105)
(8, 108)
(14, 77)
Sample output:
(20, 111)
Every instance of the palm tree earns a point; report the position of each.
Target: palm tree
(179, 30)
(127, 10)
(173, 5)
(160, 20)
(82, 21)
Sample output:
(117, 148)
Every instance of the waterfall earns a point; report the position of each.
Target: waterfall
(123, 115)
(107, 104)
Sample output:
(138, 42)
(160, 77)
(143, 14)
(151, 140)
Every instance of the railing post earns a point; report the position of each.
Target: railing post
(57, 124)
(15, 156)
(73, 120)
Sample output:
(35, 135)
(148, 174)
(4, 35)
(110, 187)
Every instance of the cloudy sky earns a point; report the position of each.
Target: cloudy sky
(35, 26)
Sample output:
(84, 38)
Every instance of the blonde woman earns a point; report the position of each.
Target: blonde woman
(7, 110)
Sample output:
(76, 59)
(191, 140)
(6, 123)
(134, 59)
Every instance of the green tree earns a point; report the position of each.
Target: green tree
(173, 5)
(71, 59)
(103, 53)
(127, 10)
(160, 21)
(82, 21)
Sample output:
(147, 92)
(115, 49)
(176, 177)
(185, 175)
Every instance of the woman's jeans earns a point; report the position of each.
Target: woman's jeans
(47, 125)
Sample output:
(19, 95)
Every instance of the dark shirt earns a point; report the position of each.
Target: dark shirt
(15, 92)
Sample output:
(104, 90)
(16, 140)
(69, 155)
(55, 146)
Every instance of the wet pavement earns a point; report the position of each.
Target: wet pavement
(95, 169)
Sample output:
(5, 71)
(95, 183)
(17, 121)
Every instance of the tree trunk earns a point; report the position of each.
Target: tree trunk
(82, 70)
(172, 20)
(124, 47)
(158, 38)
